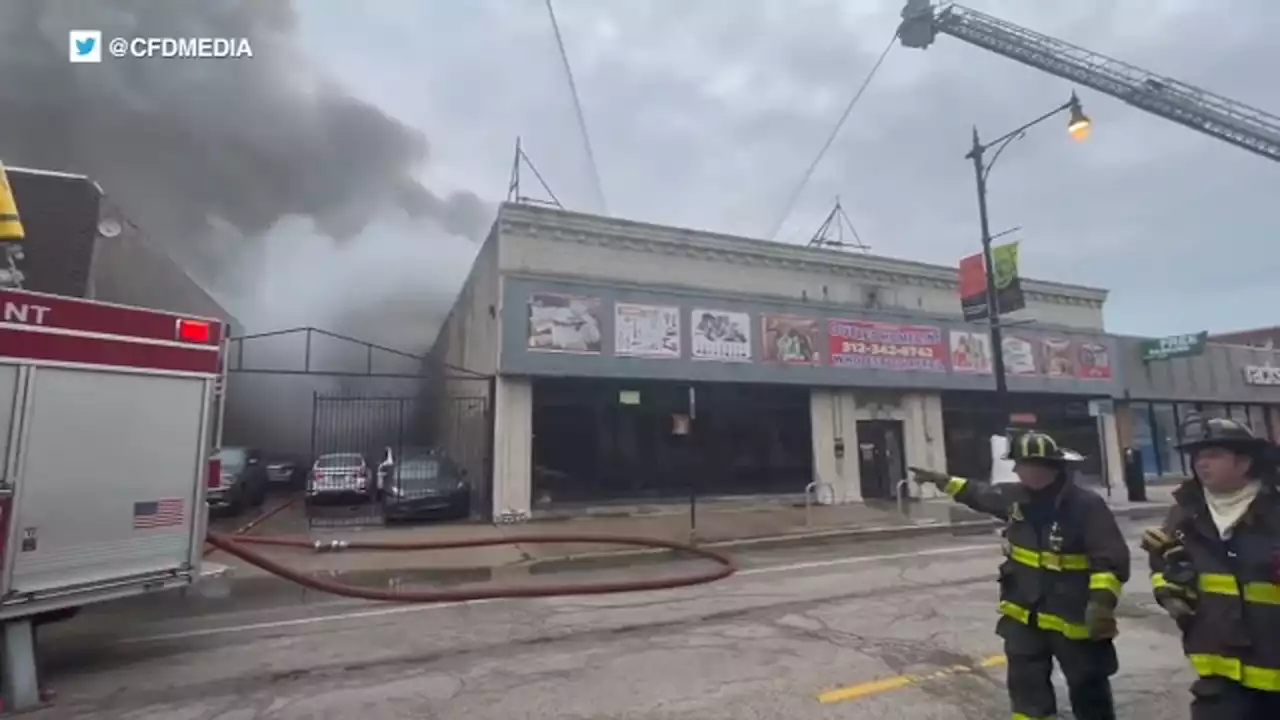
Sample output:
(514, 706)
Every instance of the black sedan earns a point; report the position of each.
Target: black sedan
(424, 486)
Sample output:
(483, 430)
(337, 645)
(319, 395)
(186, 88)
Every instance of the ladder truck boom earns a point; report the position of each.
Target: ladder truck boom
(1225, 119)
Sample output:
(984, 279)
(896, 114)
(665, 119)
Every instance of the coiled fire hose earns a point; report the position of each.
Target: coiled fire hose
(237, 545)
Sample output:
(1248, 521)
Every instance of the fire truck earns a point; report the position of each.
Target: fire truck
(108, 418)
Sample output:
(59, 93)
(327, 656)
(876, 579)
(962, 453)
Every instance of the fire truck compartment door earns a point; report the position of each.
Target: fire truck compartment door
(108, 477)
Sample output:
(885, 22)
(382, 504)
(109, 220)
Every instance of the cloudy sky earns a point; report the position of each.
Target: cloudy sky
(704, 113)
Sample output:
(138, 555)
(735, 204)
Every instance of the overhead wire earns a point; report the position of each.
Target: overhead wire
(577, 109)
(848, 110)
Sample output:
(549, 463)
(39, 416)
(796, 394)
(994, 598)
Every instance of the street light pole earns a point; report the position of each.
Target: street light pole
(977, 153)
(1078, 126)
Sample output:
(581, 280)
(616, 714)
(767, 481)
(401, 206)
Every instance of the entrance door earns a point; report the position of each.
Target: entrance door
(881, 457)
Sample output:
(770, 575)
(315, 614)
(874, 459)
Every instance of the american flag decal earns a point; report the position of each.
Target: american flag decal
(157, 514)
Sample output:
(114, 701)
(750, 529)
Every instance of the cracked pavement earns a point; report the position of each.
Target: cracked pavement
(761, 645)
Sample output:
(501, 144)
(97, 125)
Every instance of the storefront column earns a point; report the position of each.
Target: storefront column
(925, 447)
(1113, 449)
(512, 447)
(831, 418)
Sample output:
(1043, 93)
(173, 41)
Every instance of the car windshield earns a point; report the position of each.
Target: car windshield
(339, 460)
(231, 458)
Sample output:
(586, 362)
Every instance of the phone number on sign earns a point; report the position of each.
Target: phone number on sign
(881, 350)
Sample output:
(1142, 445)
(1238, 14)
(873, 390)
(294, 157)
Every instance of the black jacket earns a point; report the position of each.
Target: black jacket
(1062, 550)
(1235, 632)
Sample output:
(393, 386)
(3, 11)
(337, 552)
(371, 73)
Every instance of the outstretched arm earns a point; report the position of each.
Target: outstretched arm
(983, 497)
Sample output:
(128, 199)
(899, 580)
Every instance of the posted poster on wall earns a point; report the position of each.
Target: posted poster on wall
(1095, 361)
(1059, 358)
(720, 335)
(646, 331)
(1019, 356)
(564, 323)
(970, 352)
(869, 345)
(790, 339)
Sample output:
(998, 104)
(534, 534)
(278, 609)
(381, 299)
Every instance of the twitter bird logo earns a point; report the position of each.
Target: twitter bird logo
(85, 46)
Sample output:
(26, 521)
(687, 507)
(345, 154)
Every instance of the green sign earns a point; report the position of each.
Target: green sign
(1174, 346)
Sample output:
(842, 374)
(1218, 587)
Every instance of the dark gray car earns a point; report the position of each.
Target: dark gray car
(425, 485)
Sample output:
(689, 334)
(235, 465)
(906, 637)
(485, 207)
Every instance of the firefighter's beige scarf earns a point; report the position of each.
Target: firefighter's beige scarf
(1227, 508)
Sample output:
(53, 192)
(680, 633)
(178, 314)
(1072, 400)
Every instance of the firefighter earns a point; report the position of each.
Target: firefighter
(1065, 563)
(1215, 568)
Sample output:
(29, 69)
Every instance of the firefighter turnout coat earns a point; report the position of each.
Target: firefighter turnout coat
(1053, 569)
(1235, 631)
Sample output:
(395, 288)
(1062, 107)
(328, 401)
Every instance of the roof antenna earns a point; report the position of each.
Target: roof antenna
(513, 187)
(836, 222)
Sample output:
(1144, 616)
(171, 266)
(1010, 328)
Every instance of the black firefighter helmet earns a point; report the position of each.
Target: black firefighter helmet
(1201, 432)
(1036, 446)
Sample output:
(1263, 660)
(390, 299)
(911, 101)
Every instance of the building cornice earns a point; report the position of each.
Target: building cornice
(580, 228)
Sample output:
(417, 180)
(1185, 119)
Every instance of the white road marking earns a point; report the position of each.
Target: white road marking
(404, 609)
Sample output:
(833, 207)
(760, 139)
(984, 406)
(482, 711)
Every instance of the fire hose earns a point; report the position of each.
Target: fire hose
(238, 544)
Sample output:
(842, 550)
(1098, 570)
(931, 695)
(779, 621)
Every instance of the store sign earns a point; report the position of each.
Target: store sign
(868, 345)
(1174, 346)
(1261, 375)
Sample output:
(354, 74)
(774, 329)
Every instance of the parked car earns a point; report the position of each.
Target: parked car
(391, 452)
(338, 474)
(286, 473)
(423, 485)
(243, 483)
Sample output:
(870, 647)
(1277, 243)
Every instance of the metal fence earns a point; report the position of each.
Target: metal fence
(359, 445)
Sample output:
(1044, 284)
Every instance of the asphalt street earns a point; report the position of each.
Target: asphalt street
(875, 630)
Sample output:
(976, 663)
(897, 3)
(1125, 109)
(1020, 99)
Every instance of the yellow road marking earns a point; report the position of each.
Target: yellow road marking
(897, 682)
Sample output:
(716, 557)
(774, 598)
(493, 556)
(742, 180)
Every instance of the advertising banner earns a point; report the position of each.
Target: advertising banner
(564, 323)
(1059, 357)
(970, 352)
(973, 287)
(868, 345)
(790, 339)
(646, 331)
(1095, 361)
(1009, 295)
(720, 335)
(1174, 346)
(1019, 356)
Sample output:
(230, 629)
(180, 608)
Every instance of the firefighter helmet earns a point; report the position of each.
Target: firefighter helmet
(1036, 446)
(1201, 432)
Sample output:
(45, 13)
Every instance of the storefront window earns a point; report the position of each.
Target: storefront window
(1140, 431)
(1166, 438)
(1239, 413)
(1258, 421)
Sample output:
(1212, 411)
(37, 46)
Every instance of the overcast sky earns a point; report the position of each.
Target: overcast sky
(704, 113)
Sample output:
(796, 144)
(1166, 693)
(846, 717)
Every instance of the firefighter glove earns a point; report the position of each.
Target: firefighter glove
(1176, 600)
(1101, 621)
(1164, 548)
(929, 477)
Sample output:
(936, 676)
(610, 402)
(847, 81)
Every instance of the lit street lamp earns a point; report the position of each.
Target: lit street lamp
(1078, 125)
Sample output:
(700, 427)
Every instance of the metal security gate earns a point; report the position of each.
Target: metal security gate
(357, 400)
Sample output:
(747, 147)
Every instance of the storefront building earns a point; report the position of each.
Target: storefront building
(633, 361)
(1223, 380)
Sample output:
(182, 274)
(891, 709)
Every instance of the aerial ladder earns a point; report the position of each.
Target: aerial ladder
(1219, 117)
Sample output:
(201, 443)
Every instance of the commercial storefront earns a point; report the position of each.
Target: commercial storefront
(640, 392)
(637, 362)
(1208, 378)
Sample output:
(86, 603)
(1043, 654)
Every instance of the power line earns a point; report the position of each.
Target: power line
(804, 180)
(577, 108)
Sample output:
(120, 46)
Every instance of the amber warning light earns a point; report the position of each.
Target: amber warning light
(194, 331)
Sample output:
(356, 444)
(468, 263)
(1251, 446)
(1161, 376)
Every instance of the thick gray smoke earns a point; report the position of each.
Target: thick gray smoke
(254, 173)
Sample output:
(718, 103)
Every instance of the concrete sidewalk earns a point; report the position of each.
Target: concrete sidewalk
(720, 524)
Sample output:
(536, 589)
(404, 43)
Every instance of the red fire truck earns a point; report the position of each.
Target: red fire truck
(108, 417)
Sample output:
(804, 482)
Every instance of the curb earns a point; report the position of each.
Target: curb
(808, 539)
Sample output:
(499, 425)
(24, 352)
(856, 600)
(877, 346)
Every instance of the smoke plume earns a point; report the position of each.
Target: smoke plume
(227, 163)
